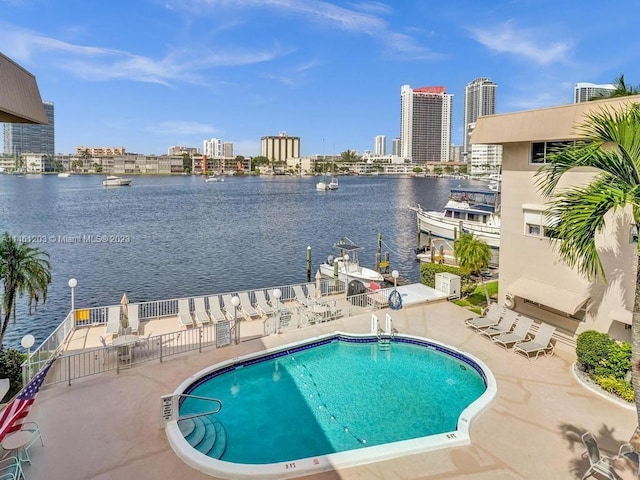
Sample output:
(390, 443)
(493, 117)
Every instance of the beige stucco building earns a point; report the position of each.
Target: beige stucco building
(533, 279)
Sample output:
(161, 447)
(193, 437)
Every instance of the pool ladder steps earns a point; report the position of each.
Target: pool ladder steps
(205, 434)
(384, 335)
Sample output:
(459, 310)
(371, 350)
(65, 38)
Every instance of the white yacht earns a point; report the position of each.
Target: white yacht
(348, 266)
(113, 181)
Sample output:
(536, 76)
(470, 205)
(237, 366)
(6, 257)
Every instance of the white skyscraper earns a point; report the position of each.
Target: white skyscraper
(213, 148)
(380, 145)
(425, 124)
(395, 147)
(583, 91)
(479, 100)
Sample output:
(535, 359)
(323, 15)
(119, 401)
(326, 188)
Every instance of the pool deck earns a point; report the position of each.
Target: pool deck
(108, 426)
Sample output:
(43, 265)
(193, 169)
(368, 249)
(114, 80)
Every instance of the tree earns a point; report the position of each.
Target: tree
(349, 156)
(610, 144)
(474, 255)
(24, 269)
(621, 90)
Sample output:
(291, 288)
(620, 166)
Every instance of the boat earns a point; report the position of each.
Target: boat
(348, 265)
(113, 181)
(213, 178)
(64, 175)
(468, 210)
(333, 184)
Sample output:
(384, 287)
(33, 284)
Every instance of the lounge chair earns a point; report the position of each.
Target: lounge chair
(247, 307)
(312, 291)
(601, 464)
(229, 309)
(215, 310)
(200, 311)
(184, 314)
(541, 343)
(489, 319)
(263, 305)
(504, 325)
(134, 318)
(519, 333)
(631, 449)
(113, 320)
(300, 296)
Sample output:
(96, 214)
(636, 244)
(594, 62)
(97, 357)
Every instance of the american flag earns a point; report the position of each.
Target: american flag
(14, 414)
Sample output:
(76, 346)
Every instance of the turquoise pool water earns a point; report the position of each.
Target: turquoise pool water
(337, 395)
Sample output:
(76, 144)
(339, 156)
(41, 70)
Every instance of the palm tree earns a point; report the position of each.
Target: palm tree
(611, 145)
(24, 269)
(474, 255)
(621, 89)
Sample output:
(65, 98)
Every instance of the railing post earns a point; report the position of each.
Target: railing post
(200, 333)
(69, 371)
(160, 345)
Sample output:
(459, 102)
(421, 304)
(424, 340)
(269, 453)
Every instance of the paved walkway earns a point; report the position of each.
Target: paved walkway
(108, 426)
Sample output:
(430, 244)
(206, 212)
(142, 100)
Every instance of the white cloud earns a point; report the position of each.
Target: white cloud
(177, 128)
(528, 44)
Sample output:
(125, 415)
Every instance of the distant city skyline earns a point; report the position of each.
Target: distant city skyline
(328, 72)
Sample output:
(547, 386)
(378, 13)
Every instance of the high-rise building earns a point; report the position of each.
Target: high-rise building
(583, 91)
(22, 138)
(380, 145)
(213, 148)
(280, 148)
(395, 147)
(227, 149)
(425, 123)
(479, 100)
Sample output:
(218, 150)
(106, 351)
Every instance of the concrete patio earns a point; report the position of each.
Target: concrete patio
(107, 426)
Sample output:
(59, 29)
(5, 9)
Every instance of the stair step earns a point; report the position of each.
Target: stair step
(186, 427)
(220, 445)
(198, 433)
(209, 440)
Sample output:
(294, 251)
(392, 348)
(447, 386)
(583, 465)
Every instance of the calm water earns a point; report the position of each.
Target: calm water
(170, 237)
(321, 400)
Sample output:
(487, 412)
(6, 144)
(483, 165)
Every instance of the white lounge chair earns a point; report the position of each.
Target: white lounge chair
(200, 311)
(134, 318)
(229, 309)
(504, 325)
(113, 320)
(300, 296)
(247, 306)
(312, 291)
(490, 318)
(541, 343)
(184, 315)
(601, 464)
(215, 310)
(263, 305)
(519, 333)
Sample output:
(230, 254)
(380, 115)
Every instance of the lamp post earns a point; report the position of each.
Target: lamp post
(346, 273)
(235, 301)
(72, 284)
(27, 342)
(395, 276)
(277, 293)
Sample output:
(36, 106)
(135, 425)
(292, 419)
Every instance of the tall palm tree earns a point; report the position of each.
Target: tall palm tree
(610, 144)
(621, 89)
(24, 269)
(474, 255)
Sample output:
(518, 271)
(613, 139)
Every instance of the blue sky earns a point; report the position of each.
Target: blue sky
(149, 74)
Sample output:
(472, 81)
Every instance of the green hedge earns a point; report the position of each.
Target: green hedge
(428, 276)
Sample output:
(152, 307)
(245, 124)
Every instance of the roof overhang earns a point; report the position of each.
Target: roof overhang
(548, 295)
(621, 315)
(20, 100)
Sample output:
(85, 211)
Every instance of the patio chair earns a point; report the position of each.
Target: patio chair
(134, 319)
(503, 326)
(519, 333)
(113, 320)
(541, 343)
(599, 463)
(631, 449)
(263, 305)
(247, 307)
(312, 291)
(215, 310)
(200, 311)
(107, 349)
(229, 309)
(184, 314)
(490, 318)
(300, 296)
(143, 344)
(11, 469)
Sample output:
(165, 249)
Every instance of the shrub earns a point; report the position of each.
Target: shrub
(591, 349)
(10, 367)
(428, 276)
(617, 386)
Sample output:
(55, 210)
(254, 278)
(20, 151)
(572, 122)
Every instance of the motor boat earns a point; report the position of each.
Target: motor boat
(213, 178)
(467, 210)
(64, 175)
(333, 184)
(347, 265)
(113, 181)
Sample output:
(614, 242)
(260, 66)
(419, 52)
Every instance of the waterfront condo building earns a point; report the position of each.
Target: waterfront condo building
(395, 147)
(380, 143)
(425, 124)
(584, 92)
(280, 148)
(213, 148)
(20, 138)
(533, 279)
(479, 99)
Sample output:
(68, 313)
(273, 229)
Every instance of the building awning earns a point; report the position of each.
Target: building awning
(548, 295)
(621, 315)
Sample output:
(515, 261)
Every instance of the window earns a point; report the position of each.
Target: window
(540, 150)
(536, 224)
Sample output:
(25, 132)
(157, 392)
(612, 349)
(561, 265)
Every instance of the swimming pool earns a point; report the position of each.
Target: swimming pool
(331, 402)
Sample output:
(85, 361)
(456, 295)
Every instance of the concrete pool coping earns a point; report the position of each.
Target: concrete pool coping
(343, 459)
(108, 426)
